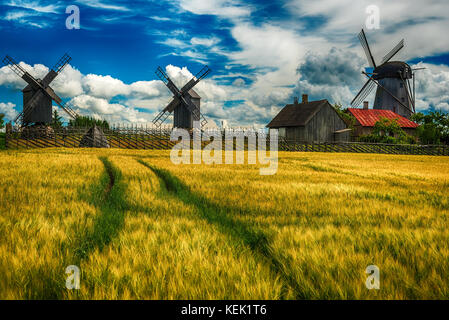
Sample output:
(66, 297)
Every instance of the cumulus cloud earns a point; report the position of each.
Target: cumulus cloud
(337, 67)
(91, 93)
(69, 82)
(432, 87)
(8, 110)
(104, 86)
(239, 82)
(102, 109)
(399, 19)
(335, 76)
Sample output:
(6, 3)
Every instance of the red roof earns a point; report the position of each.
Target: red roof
(368, 117)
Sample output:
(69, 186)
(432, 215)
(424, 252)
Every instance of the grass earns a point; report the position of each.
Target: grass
(140, 227)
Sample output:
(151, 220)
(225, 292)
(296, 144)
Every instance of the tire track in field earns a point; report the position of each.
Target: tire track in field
(110, 221)
(106, 197)
(256, 240)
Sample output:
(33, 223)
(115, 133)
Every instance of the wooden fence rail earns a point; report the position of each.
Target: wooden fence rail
(160, 139)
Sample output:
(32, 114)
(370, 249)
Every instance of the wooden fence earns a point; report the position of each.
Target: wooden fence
(142, 138)
(361, 147)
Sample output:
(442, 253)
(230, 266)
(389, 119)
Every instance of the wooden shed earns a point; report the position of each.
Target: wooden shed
(315, 121)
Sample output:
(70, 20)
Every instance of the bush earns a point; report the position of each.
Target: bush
(388, 131)
(434, 127)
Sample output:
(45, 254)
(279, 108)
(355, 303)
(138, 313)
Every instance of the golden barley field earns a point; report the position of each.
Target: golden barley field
(141, 227)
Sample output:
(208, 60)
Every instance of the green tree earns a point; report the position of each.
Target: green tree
(84, 122)
(2, 122)
(434, 127)
(56, 120)
(347, 117)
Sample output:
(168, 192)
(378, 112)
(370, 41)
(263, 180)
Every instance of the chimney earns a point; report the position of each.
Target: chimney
(365, 105)
(305, 98)
(295, 100)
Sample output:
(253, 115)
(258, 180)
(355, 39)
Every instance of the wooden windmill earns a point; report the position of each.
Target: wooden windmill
(185, 104)
(392, 79)
(38, 96)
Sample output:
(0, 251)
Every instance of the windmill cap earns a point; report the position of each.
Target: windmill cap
(393, 69)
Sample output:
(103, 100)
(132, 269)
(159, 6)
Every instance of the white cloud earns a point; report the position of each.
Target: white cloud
(160, 18)
(334, 75)
(399, 19)
(27, 12)
(69, 82)
(103, 5)
(432, 87)
(239, 82)
(8, 110)
(34, 5)
(104, 86)
(102, 109)
(207, 89)
(224, 8)
(206, 42)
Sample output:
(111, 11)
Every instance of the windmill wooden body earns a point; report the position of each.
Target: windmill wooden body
(392, 79)
(186, 103)
(38, 96)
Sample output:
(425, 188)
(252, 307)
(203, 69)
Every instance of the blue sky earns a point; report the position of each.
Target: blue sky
(262, 53)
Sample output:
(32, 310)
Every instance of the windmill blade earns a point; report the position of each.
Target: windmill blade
(52, 95)
(165, 113)
(197, 78)
(172, 105)
(203, 120)
(363, 93)
(167, 81)
(14, 66)
(393, 51)
(21, 72)
(61, 64)
(365, 45)
(68, 108)
(53, 73)
(161, 117)
(19, 119)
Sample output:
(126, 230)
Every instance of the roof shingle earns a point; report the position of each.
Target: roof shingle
(296, 115)
(369, 117)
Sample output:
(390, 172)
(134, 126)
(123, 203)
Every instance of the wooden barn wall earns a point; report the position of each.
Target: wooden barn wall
(320, 128)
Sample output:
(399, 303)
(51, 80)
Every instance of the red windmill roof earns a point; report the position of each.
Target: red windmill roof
(368, 117)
